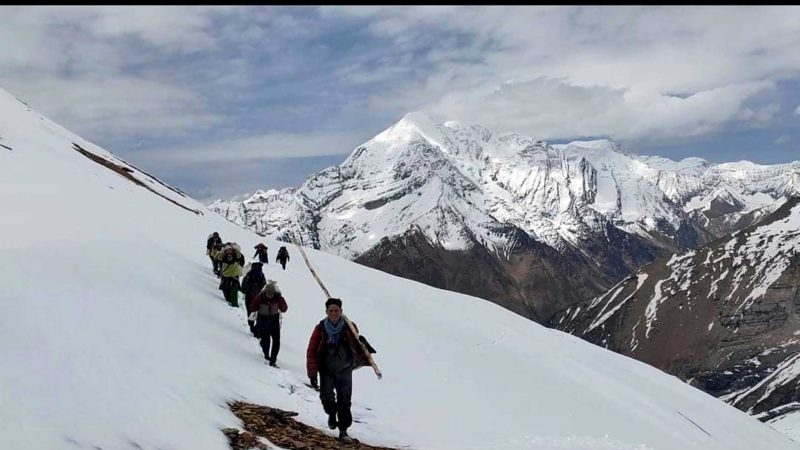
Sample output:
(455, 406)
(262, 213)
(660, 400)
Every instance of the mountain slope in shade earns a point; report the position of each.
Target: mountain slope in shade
(725, 317)
(113, 335)
(532, 226)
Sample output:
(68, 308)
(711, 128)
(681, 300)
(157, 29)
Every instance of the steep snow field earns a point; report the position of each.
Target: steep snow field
(113, 336)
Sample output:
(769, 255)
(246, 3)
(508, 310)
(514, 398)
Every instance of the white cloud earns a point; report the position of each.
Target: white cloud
(172, 28)
(782, 139)
(105, 107)
(550, 72)
(627, 72)
(260, 147)
(759, 117)
(797, 111)
(555, 109)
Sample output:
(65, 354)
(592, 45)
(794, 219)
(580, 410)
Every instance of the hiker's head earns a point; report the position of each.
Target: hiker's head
(215, 234)
(256, 266)
(333, 308)
(269, 290)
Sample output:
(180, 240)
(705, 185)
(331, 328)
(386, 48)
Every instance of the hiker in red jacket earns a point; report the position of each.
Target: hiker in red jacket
(269, 304)
(334, 353)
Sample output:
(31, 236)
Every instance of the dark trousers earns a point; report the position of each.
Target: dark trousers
(230, 290)
(338, 403)
(283, 263)
(269, 329)
(250, 323)
(214, 264)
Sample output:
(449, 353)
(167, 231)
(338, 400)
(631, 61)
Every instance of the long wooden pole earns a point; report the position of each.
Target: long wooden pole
(364, 349)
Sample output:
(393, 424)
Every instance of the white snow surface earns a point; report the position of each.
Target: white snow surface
(788, 424)
(113, 335)
(459, 183)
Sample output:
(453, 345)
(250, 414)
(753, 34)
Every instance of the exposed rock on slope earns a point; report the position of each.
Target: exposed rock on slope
(725, 317)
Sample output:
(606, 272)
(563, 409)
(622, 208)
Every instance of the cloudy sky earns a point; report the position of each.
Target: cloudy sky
(222, 101)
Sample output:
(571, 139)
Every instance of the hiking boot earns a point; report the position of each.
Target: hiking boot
(272, 364)
(344, 437)
(332, 424)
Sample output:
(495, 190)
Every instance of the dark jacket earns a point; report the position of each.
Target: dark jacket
(252, 284)
(262, 254)
(317, 349)
(283, 254)
(213, 240)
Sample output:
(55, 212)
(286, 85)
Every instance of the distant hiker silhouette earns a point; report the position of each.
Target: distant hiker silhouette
(334, 353)
(282, 257)
(261, 252)
(268, 306)
(231, 269)
(211, 242)
(252, 284)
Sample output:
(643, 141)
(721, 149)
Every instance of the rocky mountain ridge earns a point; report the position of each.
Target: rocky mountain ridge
(724, 317)
(508, 217)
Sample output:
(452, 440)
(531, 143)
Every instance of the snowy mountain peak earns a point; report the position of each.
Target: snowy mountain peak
(411, 126)
(458, 179)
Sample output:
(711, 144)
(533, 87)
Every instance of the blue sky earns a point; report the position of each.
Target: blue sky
(220, 101)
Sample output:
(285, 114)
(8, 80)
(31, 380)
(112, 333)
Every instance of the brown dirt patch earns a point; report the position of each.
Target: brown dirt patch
(279, 427)
(128, 175)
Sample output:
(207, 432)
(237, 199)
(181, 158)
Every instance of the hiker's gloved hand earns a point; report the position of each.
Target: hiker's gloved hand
(314, 383)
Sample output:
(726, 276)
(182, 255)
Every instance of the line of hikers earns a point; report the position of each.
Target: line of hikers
(333, 351)
(220, 254)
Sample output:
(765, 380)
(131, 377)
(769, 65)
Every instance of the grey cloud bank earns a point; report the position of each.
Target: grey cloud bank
(267, 92)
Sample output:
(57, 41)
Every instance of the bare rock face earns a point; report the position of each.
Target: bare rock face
(532, 226)
(725, 317)
(532, 279)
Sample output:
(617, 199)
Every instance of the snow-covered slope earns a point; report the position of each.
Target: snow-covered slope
(113, 335)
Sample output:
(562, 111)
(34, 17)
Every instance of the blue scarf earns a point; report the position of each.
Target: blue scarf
(334, 331)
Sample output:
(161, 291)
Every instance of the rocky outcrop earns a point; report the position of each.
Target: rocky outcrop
(531, 279)
(280, 428)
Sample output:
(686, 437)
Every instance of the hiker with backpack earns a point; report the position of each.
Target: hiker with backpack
(253, 282)
(213, 239)
(333, 353)
(283, 256)
(269, 304)
(216, 257)
(261, 252)
(232, 262)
